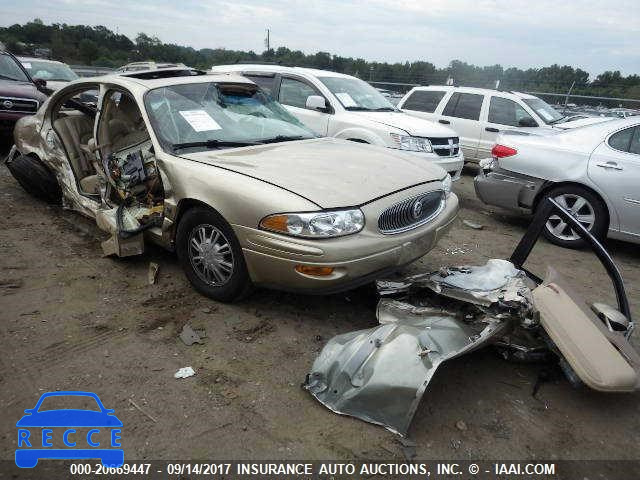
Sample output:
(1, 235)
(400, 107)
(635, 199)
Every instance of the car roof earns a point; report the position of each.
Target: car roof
(38, 59)
(129, 80)
(259, 67)
(476, 90)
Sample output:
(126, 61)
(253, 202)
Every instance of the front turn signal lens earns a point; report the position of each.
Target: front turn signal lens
(313, 270)
(276, 223)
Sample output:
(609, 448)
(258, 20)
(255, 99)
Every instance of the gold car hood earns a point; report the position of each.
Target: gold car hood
(329, 172)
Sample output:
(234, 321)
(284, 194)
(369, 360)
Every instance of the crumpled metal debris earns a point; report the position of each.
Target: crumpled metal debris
(496, 281)
(152, 274)
(380, 374)
(189, 336)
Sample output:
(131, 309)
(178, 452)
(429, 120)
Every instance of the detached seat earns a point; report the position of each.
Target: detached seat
(603, 359)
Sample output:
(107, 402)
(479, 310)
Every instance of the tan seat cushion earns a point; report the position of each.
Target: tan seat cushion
(76, 130)
(591, 355)
(90, 185)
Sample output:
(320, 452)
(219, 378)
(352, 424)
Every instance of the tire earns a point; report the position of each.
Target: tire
(36, 178)
(211, 276)
(591, 212)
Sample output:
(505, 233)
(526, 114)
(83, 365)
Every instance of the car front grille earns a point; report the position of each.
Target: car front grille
(445, 147)
(411, 213)
(18, 105)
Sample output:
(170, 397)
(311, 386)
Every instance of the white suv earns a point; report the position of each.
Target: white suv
(337, 105)
(479, 114)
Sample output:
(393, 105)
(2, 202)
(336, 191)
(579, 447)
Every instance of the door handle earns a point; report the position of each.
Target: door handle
(446, 122)
(611, 165)
(492, 129)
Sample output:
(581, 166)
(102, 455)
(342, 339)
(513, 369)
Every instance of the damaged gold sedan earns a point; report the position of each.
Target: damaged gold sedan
(211, 167)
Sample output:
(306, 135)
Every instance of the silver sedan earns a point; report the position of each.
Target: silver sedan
(593, 171)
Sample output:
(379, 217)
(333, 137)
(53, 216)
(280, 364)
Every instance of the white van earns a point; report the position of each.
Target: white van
(479, 114)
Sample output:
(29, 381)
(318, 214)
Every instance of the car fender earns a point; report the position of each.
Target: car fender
(240, 199)
(360, 134)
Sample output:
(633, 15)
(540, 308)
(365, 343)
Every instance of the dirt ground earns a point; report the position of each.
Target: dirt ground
(73, 320)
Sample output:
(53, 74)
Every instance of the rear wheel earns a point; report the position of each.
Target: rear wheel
(585, 207)
(211, 256)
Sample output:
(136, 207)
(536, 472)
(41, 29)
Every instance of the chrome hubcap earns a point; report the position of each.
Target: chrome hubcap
(579, 208)
(210, 255)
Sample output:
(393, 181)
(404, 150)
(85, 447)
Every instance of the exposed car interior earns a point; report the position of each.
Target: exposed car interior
(128, 163)
(73, 121)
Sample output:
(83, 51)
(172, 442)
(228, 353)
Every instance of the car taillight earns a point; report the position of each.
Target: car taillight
(501, 151)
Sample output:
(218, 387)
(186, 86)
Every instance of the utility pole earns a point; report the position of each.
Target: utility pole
(267, 42)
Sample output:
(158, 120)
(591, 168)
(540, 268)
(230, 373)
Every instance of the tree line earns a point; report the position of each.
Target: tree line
(101, 47)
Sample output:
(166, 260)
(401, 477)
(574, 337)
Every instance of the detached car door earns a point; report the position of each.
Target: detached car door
(293, 95)
(504, 114)
(615, 167)
(462, 114)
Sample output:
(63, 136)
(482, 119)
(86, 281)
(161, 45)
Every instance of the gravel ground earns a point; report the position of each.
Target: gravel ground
(73, 320)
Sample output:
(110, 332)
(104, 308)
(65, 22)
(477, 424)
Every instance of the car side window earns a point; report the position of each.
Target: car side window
(464, 105)
(265, 82)
(507, 112)
(622, 140)
(423, 100)
(635, 141)
(294, 92)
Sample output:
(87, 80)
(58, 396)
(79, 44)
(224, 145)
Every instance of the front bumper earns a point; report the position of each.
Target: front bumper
(507, 189)
(357, 259)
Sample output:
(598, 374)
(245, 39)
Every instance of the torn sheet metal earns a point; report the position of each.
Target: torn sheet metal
(497, 280)
(379, 375)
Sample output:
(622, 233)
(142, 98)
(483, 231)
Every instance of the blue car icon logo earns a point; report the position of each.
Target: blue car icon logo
(69, 433)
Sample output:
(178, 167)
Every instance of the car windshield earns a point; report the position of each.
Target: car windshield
(210, 115)
(545, 111)
(355, 94)
(10, 70)
(49, 70)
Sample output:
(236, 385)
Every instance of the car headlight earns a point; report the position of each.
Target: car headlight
(413, 144)
(446, 184)
(334, 223)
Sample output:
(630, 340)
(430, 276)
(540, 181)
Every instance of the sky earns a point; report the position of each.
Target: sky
(594, 35)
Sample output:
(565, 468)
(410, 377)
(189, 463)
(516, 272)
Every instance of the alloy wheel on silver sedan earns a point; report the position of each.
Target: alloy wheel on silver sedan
(580, 208)
(210, 255)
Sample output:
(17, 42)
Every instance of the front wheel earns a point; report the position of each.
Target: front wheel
(211, 256)
(585, 207)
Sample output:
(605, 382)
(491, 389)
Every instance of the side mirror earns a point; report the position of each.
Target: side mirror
(316, 102)
(527, 122)
(40, 82)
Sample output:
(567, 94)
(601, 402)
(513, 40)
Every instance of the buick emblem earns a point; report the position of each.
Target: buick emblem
(7, 104)
(417, 209)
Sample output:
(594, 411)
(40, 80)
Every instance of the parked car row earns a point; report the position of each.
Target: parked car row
(303, 179)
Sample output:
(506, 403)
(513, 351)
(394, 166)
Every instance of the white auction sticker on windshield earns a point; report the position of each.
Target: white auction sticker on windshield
(200, 120)
(26, 65)
(547, 116)
(346, 99)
